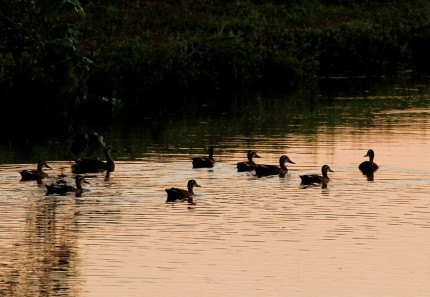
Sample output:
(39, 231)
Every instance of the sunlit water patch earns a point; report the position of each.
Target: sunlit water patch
(245, 236)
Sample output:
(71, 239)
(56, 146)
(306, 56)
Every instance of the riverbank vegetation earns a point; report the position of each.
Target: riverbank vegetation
(57, 57)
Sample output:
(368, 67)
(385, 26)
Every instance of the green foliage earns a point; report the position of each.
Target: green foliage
(358, 48)
(118, 54)
(40, 54)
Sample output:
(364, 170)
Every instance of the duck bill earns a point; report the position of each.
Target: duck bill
(289, 161)
(256, 156)
(197, 185)
(330, 170)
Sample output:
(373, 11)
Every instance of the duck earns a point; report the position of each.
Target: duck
(205, 161)
(63, 189)
(315, 178)
(175, 194)
(264, 170)
(369, 167)
(250, 165)
(96, 165)
(35, 174)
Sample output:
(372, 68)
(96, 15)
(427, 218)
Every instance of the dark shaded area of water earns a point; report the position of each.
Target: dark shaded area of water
(197, 122)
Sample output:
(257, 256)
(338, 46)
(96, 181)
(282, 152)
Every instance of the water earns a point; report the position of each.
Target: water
(245, 236)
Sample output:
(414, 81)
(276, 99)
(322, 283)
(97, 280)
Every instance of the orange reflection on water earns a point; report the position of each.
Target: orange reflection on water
(246, 236)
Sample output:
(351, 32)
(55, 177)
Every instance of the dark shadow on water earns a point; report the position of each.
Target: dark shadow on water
(164, 123)
(370, 177)
(323, 185)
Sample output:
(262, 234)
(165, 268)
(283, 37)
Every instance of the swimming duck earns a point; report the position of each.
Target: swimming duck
(369, 167)
(38, 174)
(175, 194)
(315, 178)
(96, 165)
(263, 170)
(62, 189)
(250, 165)
(205, 161)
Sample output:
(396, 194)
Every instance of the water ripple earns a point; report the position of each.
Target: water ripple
(245, 235)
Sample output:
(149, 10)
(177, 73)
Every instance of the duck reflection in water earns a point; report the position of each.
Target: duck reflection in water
(370, 177)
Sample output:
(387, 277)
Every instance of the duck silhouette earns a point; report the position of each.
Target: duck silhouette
(176, 194)
(250, 165)
(369, 167)
(35, 174)
(205, 161)
(63, 188)
(315, 178)
(96, 165)
(265, 170)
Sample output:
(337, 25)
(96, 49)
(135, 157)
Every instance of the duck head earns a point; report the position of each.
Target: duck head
(285, 159)
(325, 169)
(108, 149)
(42, 164)
(370, 154)
(191, 184)
(252, 154)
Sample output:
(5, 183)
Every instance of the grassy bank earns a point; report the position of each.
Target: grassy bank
(123, 54)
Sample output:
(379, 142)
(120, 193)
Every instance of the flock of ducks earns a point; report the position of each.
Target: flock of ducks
(83, 166)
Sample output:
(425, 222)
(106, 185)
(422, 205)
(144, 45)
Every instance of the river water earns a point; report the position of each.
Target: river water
(245, 236)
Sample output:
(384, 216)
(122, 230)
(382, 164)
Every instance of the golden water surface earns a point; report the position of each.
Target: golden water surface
(246, 236)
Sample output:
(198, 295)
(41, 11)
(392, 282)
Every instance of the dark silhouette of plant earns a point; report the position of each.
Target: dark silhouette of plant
(42, 63)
